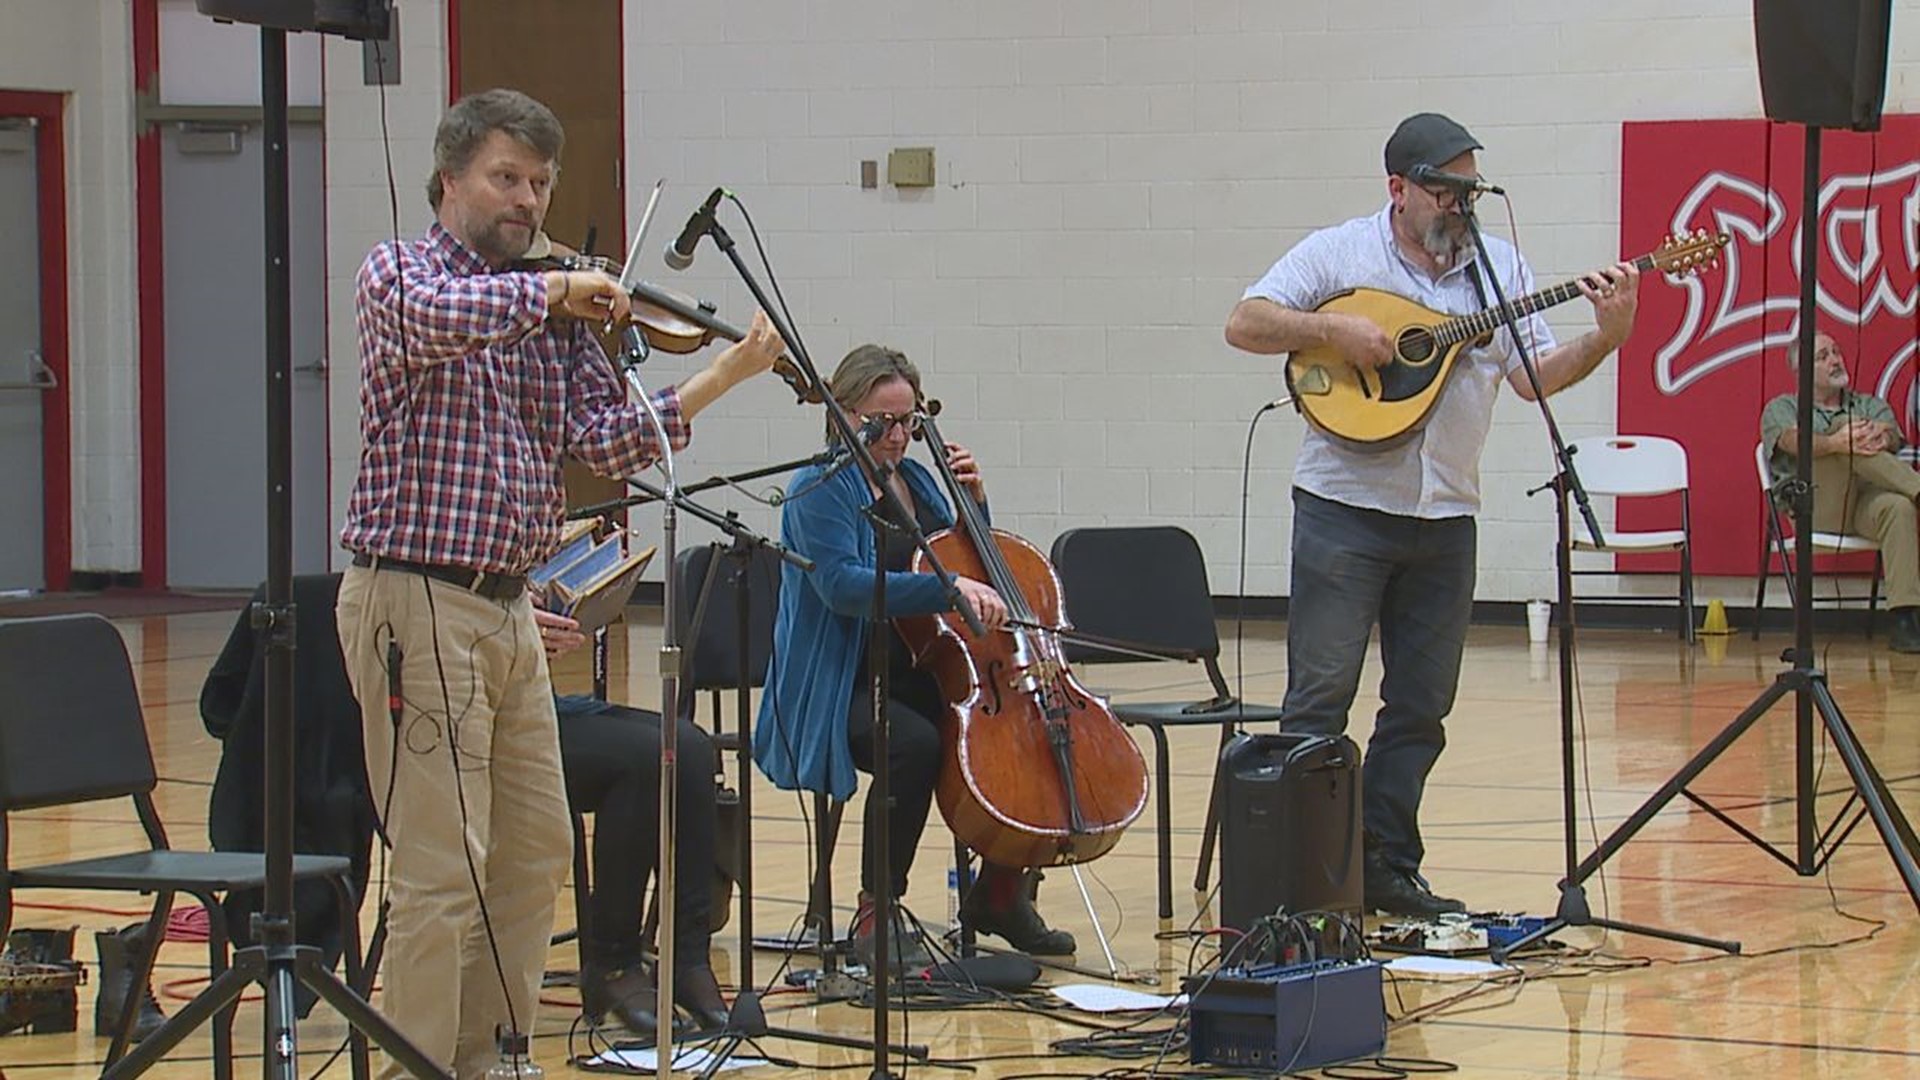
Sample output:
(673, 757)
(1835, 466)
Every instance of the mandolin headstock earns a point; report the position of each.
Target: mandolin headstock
(1685, 254)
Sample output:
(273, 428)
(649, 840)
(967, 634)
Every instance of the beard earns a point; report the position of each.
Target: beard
(503, 239)
(1444, 238)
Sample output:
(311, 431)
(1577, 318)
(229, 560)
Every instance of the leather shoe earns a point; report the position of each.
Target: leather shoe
(1905, 637)
(1396, 892)
(628, 993)
(696, 990)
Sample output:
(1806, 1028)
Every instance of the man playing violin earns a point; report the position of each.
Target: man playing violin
(1388, 535)
(475, 383)
(816, 716)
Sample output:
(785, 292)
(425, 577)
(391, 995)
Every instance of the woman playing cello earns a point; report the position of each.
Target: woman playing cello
(816, 717)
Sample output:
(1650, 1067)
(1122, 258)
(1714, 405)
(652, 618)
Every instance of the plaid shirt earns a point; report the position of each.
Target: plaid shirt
(469, 399)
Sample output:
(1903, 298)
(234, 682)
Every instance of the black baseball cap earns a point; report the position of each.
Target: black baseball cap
(1426, 139)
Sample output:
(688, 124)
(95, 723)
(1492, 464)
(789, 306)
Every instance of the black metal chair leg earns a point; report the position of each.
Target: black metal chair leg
(1163, 817)
(1210, 832)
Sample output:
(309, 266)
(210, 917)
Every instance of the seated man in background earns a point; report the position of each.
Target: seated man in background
(610, 755)
(1859, 486)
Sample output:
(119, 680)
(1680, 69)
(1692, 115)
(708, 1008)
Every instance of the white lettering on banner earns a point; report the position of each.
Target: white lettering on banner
(1855, 213)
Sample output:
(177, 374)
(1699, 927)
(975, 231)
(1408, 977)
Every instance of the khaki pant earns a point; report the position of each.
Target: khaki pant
(480, 798)
(1872, 496)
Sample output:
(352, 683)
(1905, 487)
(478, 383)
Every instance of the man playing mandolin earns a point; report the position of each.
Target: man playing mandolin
(1385, 532)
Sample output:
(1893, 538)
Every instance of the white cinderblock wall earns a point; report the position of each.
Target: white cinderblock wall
(1111, 174)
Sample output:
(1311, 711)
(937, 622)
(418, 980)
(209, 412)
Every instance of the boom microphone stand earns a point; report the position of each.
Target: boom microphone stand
(1807, 683)
(887, 510)
(277, 962)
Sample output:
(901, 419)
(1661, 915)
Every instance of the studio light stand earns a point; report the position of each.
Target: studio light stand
(1565, 484)
(277, 963)
(1803, 680)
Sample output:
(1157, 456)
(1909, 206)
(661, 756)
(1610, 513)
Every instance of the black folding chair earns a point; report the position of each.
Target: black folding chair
(1147, 586)
(732, 597)
(72, 731)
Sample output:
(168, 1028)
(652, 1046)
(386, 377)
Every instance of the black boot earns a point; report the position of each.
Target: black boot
(42, 1011)
(1392, 891)
(627, 992)
(122, 953)
(696, 990)
(1906, 630)
(996, 905)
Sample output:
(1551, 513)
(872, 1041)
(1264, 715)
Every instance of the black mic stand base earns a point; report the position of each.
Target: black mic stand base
(1574, 912)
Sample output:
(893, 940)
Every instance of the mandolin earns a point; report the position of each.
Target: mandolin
(1376, 409)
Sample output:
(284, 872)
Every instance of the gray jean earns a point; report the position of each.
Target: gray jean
(1351, 568)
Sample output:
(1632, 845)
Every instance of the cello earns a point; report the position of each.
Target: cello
(1035, 770)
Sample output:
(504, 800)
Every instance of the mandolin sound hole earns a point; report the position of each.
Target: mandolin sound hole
(1415, 346)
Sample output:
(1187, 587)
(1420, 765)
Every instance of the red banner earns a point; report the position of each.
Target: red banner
(1707, 352)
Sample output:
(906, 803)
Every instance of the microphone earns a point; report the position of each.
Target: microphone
(1427, 174)
(679, 254)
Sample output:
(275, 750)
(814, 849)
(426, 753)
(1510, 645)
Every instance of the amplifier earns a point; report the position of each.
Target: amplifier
(1289, 828)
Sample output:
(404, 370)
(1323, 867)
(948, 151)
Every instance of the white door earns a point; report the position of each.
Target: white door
(24, 378)
(216, 363)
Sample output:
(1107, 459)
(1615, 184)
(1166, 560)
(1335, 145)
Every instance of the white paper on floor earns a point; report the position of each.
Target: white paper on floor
(1444, 967)
(691, 1059)
(1099, 998)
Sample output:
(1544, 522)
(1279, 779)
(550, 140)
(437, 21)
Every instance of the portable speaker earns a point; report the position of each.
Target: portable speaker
(1823, 62)
(1290, 827)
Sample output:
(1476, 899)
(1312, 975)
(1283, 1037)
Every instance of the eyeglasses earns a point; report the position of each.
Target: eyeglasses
(1446, 198)
(887, 421)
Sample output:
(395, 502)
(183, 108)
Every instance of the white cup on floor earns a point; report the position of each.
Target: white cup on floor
(1539, 617)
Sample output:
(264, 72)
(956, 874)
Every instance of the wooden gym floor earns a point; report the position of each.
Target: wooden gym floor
(1828, 987)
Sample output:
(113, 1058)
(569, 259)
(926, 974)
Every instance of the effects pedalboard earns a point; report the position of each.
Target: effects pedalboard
(1471, 934)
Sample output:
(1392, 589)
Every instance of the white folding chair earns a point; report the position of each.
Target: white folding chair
(1639, 466)
(1779, 535)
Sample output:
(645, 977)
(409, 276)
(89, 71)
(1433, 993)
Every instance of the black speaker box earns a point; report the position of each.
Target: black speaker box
(1823, 63)
(1290, 827)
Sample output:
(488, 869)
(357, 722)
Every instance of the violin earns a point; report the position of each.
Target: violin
(1036, 769)
(671, 321)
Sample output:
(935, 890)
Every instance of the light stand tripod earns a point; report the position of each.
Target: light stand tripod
(1565, 484)
(277, 962)
(888, 512)
(1807, 683)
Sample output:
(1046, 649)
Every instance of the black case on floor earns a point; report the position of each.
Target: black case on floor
(1290, 827)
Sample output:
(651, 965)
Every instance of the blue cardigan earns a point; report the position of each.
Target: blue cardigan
(820, 630)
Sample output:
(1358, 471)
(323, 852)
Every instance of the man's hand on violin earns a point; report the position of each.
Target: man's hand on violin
(967, 471)
(753, 353)
(587, 294)
(985, 602)
(558, 634)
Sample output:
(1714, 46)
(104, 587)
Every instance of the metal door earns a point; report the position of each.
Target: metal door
(24, 377)
(216, 362)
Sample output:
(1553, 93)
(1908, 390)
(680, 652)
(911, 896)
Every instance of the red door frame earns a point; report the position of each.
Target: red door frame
(56, 405)
(151, 306)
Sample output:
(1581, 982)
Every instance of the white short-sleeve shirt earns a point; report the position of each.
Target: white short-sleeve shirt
(1436, 472)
